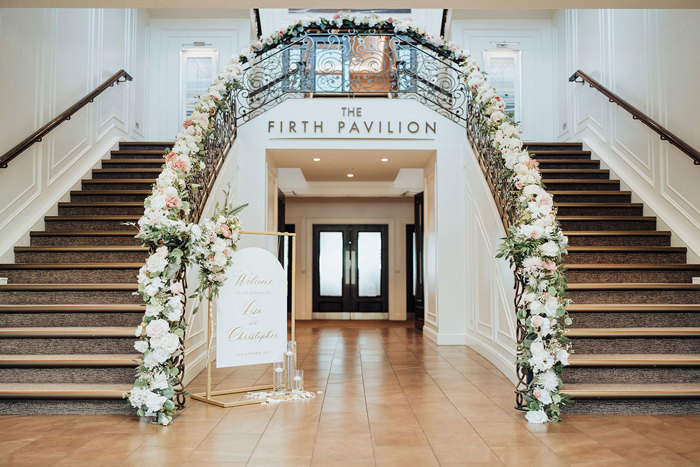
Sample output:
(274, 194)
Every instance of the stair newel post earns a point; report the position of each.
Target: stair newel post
(210, 328)
(524, 375)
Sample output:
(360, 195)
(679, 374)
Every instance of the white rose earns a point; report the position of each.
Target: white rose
(544, 396)
(139, 330)
(154, 401)
(156, 263)
(551, 306)
(160, 355)
(563, 357)
(141, 346)
(549, 248)
(153, 309)
(175, 315)
(168, 343)
(220, 259)
(175, 303)
(536, 416)
(138, 397)
(548, 380)
(157, 328)
(159, 381)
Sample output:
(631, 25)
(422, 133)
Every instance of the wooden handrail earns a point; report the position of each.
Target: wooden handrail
(119, 77)
(581, 77)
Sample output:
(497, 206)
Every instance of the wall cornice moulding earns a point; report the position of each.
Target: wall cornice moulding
(369, 4)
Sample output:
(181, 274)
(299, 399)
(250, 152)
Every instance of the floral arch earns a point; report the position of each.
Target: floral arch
(177, 238)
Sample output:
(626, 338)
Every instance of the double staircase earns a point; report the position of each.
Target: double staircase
(635, 311)
(68, 313)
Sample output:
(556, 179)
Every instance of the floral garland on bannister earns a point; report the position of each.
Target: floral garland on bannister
(534, 244)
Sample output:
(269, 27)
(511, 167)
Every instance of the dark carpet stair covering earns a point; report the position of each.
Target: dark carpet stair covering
(68, 313)
(636, 313)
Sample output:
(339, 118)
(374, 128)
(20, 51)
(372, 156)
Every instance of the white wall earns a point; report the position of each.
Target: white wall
(534, 40)
(168, 38)
(50, 59)
(396, 213)
(649, 58)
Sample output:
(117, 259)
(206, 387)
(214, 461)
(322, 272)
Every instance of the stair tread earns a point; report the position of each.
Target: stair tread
(578, 180)
(81, 307)
(93, 217)
(580, 359)
(82, 248)
(568, 161)
(128, 170)
(627, 248)
(558, 151)
(71, 266)
(69, 360)
(596, 205)
(101, 204)
(63, 390)
(633, 266)
(634, 285)
(69, 286)
(68, 332)
(551, 143)
(556, 171)
(86, 233)
(606, 390)
(632, 332)
(144, 143)
(606, 218)
(120, 180)
(614, 233)
(110, 192)
(641, 307)
(588, 192)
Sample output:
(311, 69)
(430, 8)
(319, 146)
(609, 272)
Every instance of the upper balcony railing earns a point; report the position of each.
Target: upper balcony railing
(358, 64)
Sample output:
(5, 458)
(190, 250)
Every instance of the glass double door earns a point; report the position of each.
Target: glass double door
(350, 271)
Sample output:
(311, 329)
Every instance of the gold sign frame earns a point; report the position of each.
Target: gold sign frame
(207, 396)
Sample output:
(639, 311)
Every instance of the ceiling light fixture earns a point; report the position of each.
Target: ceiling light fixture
(316, 159)
(350, 175)
(385, 159)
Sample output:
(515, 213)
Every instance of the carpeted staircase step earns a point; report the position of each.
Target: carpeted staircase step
(632, 272)
(632, 368)
(656, 399)
(98, 196)
(589, 315)
(590, 196)
(125, 173)
(599, 209)
(24, 273)
(71, 315)
(575, 174)
(641, 340)
(618, 238)
(57, 223)
(85, 238)
(625, 254)
(607, 222)
(100, 208)
(619, 293)
(119, 184)
(40, 294)
(147, 163)
(552, 145)
(80, 254)
(541, 154)
(587, 184)
(568, 164)
(67, 340)
(50, 398)
(60, 369)
(145, 145)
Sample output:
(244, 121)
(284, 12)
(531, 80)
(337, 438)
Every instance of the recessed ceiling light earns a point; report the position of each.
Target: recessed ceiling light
(316, 159)
(350, 175)
(385, 159)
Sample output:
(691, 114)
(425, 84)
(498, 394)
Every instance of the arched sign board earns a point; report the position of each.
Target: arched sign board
(252, 311)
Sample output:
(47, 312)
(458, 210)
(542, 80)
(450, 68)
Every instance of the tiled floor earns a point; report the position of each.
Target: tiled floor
(389, 397)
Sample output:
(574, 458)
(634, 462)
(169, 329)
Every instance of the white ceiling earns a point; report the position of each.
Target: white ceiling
(463, 4)
(335, 164)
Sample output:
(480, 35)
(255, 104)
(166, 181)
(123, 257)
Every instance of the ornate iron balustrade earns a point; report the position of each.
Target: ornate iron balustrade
(352, 64)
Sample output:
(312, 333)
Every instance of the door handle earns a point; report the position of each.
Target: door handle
(353, 269)
(348, 268)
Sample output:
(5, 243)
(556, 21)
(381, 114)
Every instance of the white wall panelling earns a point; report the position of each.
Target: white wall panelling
(648, 58)
(57, 57)
(167, 38)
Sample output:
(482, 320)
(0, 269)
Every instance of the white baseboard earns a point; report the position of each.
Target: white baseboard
(503, 362)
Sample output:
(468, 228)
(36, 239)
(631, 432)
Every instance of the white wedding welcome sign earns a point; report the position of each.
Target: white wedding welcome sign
(252, 311)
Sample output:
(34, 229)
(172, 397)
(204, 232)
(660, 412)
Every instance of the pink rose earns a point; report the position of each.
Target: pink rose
(178, 164)
(550, 265)
(225, 231)
(187, 123)
(170, 156)
(172, 201)
(537, 321)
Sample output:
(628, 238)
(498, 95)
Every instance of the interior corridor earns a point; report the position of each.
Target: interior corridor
(388, 397)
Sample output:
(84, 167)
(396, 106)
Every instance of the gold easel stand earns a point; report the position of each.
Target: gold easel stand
(208, 395)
